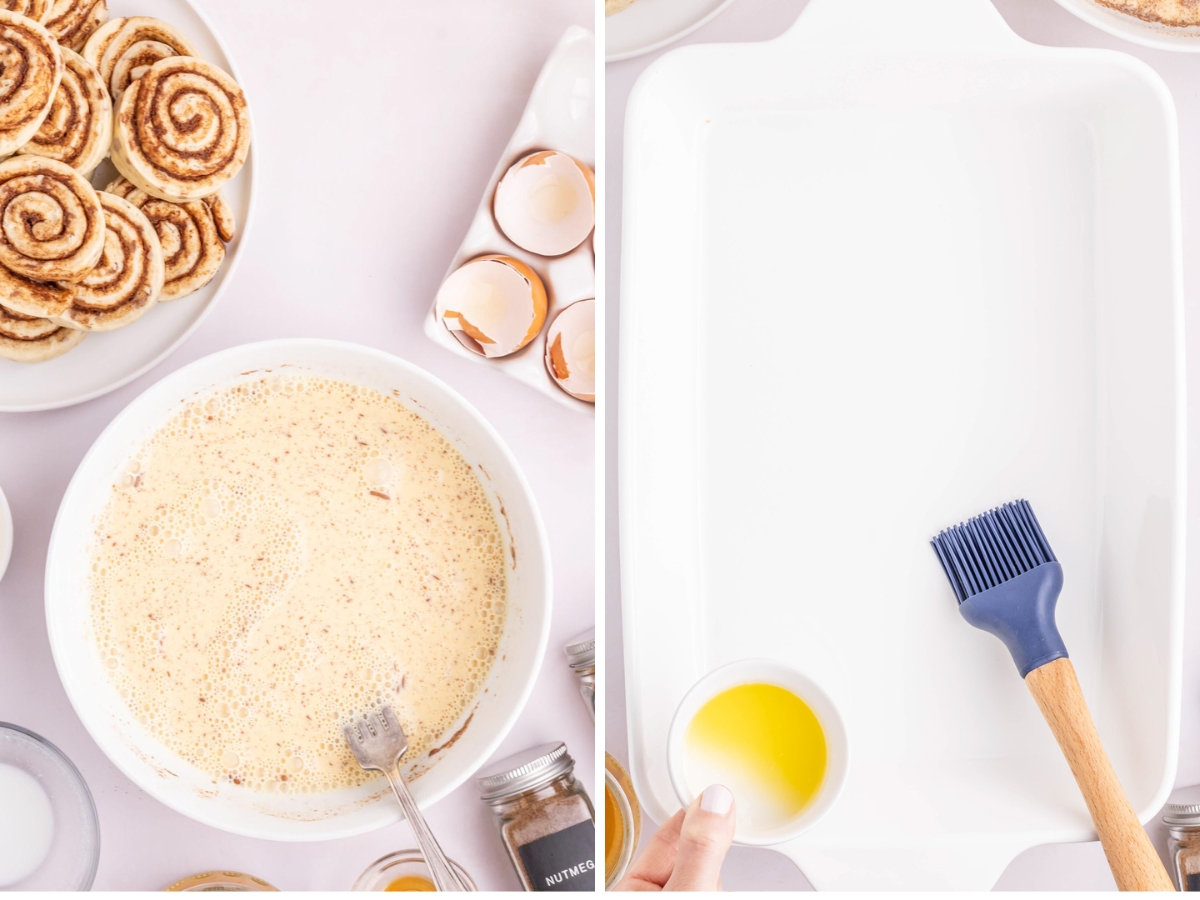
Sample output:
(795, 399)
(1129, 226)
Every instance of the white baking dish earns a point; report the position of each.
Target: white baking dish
(297, 817)
(881, 274)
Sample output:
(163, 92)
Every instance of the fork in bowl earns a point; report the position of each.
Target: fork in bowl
(378, 742)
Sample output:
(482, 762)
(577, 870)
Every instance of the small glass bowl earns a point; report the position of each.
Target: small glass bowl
(401, 864)
(70, 863)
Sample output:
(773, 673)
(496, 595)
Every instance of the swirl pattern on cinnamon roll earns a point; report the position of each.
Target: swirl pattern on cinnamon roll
(31, 68)
(72, 22)
(78, 130)
(120, 53)
(191, 241)
(129, 277)
(31, 9)
(32, 339)
(182, 130)
(51, 222)
(39, 299)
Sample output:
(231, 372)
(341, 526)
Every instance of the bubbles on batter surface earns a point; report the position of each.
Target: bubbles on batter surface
(283, 556)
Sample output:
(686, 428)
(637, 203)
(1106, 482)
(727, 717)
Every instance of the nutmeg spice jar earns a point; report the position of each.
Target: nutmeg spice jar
(545, 817)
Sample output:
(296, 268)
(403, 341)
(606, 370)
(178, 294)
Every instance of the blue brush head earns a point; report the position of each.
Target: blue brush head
(1007, 581)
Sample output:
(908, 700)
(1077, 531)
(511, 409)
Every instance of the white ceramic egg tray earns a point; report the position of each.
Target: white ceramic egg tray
(920, 267)
(559, 116)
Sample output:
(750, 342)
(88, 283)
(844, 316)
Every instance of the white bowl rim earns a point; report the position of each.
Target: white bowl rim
(387, 814)
(6, 534)
(767, 671)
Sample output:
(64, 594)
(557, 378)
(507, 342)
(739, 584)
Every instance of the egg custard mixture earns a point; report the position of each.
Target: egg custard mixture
(282, 555)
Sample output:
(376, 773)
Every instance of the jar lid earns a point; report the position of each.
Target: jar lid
(1183, 807)
(581, 649)
(524, 771)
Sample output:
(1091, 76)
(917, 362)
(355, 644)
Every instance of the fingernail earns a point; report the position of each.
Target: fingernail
(716, 799)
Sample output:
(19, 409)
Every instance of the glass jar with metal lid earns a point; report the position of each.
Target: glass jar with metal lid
(581, 655)
(1182, 818)
(546, 819)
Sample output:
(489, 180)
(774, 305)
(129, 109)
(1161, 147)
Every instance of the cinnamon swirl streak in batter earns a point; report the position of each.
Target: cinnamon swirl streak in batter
(182, 130)
(129, 277)
(191, 235)
(31, 67)
(51, 222)
(78, 130)
(72, 22)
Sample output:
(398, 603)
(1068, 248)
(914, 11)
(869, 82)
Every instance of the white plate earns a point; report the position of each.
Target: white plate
(105, 362)
(651, 24)
(171, 780)
(911, 267)
(1148, 34)
(560, 115)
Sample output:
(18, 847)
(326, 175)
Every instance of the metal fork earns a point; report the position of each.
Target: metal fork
(378, 742)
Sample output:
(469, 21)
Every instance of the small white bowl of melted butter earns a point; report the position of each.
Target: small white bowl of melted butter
(273, 540)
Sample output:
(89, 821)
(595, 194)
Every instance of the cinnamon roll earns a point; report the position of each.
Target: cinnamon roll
(93, 50)
(30, 9)
(137, 42)
(78, 130)
(32, 66)
(35, 299)
(129, 277)
(51, 222)
(72, 22)
(192, 244)
(32, 339)
(182, 129)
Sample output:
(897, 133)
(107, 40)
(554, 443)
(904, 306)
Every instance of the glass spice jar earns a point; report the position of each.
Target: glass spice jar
(546, 818)
(1182, 818)
(581, 655)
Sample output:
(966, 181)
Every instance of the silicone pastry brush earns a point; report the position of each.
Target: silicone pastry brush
(1007, 582)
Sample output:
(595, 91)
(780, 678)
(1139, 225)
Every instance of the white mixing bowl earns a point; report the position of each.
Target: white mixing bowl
(166, 776)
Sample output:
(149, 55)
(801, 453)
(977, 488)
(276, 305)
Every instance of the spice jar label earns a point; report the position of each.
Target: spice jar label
(563, 861)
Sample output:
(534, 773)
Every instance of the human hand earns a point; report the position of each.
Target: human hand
(687, 852)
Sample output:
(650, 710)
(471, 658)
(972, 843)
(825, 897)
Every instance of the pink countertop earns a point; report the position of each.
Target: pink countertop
(377, 129)
(1051, 867)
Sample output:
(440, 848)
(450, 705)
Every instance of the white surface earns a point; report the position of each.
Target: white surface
(6, 534)
(139, 755)
(1048, 867)
(104, 362)
(560, 115)
(648, 25)
(967, 250)
(26, 824)
(689, 777)
(371, 165)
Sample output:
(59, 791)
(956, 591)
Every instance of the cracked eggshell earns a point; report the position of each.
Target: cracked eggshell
(546, 203)
(571, 350)
(494, 305)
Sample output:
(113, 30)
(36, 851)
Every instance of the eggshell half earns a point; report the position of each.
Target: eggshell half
(494, 305)
(571, 350)
(546, 203)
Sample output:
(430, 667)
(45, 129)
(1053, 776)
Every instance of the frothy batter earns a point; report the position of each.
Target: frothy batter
(285, 554)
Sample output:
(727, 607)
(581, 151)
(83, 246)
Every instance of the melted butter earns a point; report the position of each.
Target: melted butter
(286, 554)
(614, 833)
(410, 883)
(762, 742)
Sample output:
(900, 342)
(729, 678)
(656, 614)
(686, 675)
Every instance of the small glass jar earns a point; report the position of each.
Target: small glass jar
(622, 821)
(1182, 818)
(221, 881)
(546, 819)
(581, 655)
(404, 870)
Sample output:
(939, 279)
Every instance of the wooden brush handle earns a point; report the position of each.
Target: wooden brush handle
(1135, 864)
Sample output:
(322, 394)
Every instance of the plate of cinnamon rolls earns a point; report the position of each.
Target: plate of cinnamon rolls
(125, 190)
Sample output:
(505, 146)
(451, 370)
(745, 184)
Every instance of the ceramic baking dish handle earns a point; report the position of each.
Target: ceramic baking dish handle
(951, 866)
(833, 26)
